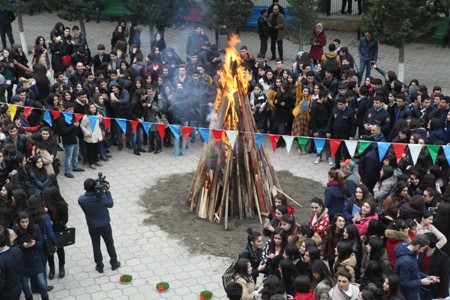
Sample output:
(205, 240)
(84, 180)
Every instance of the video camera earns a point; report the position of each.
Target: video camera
(101, 185)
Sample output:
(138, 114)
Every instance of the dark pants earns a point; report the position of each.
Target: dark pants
(61, 259)
(341, 152)
(92, 152)
(154, 140)
(263, 45)
(349, 6)
(106, 234)
(274, 42)
(6, 30)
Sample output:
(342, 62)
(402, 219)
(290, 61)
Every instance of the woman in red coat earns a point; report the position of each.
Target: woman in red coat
(318, 41)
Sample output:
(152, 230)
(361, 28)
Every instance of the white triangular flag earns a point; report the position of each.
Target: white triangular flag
(414, 149)
(288, 140)
(351, 146)
(232, 137)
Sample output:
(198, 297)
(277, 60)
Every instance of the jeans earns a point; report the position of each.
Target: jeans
(106, 234)
(364, 65)
(136, 138)
(180, 142)
(70, 157)
(41, 280)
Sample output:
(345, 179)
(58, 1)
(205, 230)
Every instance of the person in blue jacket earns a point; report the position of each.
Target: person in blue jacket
(95, 209)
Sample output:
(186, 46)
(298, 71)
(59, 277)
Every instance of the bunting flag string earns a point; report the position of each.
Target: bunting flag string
(217, 133)
(352, 145)
(175, 129)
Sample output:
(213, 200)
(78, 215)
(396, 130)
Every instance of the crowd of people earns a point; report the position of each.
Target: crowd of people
(370, 227)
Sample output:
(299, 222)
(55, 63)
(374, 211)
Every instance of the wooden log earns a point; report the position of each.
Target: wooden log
(225, 194)
(238, 179)
(248, 183)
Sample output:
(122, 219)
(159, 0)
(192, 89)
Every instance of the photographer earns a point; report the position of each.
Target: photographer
(95, 203)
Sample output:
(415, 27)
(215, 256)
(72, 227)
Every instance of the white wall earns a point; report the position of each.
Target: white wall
(268, 2)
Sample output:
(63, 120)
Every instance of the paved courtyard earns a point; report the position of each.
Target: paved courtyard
(147, 252)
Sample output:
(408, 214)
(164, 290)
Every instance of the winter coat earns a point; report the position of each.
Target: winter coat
(334, 198)
(383, 262)
(442, 240)
(32, 262)
(279, 30)
(90, 136)
(368, 49)
(322, 290)
(351, 180)
(348, 264)
(305, 296)
(316, 51)
(363, 224)
(322, 224)
(255, 259)
(407, 269)
(394, 238)
(247, 287)
(383, 189)
(439, 266)
(336, 294)
(11, 268)
(369, 167)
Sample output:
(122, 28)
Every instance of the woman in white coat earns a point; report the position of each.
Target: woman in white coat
(90, 126)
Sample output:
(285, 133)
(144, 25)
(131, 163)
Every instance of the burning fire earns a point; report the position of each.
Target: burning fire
(232, 74)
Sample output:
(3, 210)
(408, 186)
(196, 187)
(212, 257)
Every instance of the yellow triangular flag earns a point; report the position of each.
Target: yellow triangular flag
(12, 110)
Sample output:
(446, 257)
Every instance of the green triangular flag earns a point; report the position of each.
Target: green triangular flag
(433, 149)
(363, 146)
(302, 141)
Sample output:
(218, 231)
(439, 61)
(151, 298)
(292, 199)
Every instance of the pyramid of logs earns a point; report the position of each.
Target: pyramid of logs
(233, 181)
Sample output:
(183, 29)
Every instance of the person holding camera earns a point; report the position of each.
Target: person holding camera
(95, 203)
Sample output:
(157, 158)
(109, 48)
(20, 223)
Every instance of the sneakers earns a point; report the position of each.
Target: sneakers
(330, 161)
(318, 160)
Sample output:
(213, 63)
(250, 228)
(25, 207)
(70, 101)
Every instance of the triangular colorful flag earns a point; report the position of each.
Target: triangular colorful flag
(399, 149)
(351, 146)
(217, 133)
(12, 110)
(415, 149)
(78, 117)
(433, 149)
(320, 143)
(383, 147)
(302, 141)
(259, 137)
(334, 146)
(27, 111)
(231, 137)
(447, 153)
(134, 125)
(92, 122)
(68, 117)
(55, 114)
(175, 131)
(161, 130)
(204, 132)
(186, 130)
(106, 122)
(288, 139)
(121, 122)
(147, 126)
(274, 139)
(47, 117)
(363, 145)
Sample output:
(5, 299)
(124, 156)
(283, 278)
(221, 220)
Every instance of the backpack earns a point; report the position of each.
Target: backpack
(332, 65)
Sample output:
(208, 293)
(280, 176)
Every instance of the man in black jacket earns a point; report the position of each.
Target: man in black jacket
(68, 134)
(11, 270)
(263, 32)
(138, 109)
(6, 18)
(320, 113)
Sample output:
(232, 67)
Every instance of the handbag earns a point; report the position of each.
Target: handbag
(65, 237)
(49, 248)
(227, 277)
(296, 111)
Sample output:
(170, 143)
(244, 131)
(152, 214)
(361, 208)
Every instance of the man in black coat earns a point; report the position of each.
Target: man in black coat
(263, 32)
(435, 263)
(11, 270)
(6, 18)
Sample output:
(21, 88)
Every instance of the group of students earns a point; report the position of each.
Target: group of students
(367, 247)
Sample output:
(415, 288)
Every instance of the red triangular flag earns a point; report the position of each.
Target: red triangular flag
(78, 117)
(399, 149)
(161, 129)
(274, 139)
(186, 130)
(217, 133)
(134, 125)
(27, 111)
(334, 145)
(55, 114)
(106, 122)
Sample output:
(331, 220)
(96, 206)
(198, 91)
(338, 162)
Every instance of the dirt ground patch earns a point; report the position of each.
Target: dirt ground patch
(165, 204)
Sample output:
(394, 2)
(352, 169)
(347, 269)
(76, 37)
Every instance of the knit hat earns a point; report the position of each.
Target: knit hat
(348, 163)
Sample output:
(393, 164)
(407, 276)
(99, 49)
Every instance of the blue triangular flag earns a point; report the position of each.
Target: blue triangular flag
(204, 132)
(146, 126)
(122, 124)
(48, 117)
(176, 131)
(68, 117)
(92, 122)
(447, 153)
(259, 139)
(383, 147)
(320, 143)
